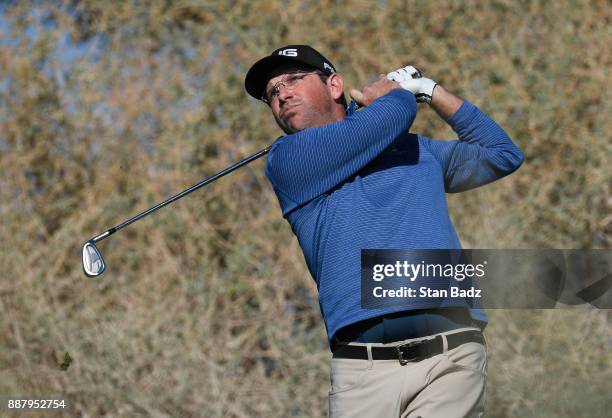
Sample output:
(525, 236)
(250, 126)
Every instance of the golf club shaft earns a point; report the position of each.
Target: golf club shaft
(171, 199)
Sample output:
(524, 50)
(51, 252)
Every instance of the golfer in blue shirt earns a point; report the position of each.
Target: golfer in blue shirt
(348, 180)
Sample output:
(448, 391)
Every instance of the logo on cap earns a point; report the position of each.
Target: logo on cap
(289, 52)
(326, 66)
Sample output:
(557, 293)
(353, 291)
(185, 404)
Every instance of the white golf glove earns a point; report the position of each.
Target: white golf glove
(410, 79)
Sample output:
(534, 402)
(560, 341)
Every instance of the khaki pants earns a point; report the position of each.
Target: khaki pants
(448, 385)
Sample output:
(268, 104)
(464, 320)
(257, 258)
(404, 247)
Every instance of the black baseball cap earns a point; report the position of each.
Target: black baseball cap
(257, 77)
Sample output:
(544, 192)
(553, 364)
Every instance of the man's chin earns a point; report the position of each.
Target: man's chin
(292, 126)
(290, 129)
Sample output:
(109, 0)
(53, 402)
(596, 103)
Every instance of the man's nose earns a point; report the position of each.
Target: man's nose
(284, 93)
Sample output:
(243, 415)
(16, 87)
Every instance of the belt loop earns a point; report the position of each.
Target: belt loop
(370, 359)
(444, 343)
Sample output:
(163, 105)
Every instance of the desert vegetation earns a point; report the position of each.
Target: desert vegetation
(207, 308)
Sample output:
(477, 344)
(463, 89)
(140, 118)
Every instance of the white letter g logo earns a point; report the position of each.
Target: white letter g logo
(289, 52)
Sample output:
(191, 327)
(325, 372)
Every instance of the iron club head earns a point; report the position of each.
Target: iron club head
(93, 263)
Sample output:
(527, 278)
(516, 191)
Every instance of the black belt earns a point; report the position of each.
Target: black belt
(412, 351)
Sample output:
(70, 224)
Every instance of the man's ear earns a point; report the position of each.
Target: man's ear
(335, 82)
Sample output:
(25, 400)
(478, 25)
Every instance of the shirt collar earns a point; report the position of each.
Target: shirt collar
(352, 107)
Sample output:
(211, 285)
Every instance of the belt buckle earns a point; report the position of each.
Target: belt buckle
(403, 361)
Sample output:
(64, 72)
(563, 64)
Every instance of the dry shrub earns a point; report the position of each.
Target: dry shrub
(207, 308)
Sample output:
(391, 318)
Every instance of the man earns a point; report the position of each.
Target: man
(349, 180)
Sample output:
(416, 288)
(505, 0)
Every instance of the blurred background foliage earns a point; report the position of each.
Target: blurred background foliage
(207, 308)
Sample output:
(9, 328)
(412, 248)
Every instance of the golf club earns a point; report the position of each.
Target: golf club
(93, 262)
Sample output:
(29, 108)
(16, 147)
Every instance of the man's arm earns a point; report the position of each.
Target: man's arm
(444, 102)
(483, 153)
(311, 162)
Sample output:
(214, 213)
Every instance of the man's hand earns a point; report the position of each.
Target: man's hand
(410, 79)
(375, 90)
(444, 103)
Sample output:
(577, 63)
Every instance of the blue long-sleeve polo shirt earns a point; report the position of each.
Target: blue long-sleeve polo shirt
(365, 182)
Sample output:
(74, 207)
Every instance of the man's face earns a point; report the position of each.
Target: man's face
(307, 103)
